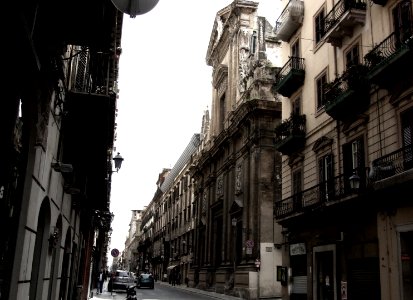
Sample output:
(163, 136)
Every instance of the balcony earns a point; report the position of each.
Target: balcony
(290, 20)
(348, 95)
(390, 57)
(343, 17)
(323, 194)
(290, 135)
(290, 77)
(392, 164)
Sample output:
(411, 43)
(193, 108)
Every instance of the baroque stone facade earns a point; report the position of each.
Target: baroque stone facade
(234, 169)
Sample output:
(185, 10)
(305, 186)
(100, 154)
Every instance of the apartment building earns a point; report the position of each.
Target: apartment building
(167, 227)
(346, 140)
(132, 241)
(57, 127)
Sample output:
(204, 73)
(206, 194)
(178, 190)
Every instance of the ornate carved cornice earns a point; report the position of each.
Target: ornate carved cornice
(227, 22)
(220, 76)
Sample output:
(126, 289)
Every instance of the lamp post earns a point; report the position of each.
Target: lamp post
(234, 234)
(118, 159)
(354, 181)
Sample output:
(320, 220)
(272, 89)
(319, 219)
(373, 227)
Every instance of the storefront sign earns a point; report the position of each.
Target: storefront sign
(297, 249)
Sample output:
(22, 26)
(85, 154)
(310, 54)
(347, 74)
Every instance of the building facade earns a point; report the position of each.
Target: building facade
(132, 242)
(57, 126)
(346, 141)
(236, 170)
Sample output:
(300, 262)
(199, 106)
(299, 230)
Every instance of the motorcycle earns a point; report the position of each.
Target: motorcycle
(131, 293)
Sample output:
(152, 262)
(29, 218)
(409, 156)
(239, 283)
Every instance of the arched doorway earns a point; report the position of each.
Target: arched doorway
(65, 265)
(40, 251)
(55, 251)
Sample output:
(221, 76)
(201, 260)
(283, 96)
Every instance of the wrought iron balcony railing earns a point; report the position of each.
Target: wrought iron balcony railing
(290, 134)
(328, 191)
(341, 19)
(392, 164)
(91, 72)
(347, 95)
(387, 56)
(290, 20)
(290, 77)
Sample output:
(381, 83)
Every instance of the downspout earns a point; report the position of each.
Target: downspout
(337, 121)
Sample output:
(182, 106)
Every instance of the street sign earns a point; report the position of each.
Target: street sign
(114, 252)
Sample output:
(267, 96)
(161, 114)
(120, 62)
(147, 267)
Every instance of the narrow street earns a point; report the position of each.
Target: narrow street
(165, 291)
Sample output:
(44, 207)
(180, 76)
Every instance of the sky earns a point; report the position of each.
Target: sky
(164, 88)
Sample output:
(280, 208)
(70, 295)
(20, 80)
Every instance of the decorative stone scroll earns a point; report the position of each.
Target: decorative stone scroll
(204, 203)
(238, 179)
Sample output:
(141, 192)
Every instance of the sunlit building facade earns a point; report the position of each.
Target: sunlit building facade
(346, 140)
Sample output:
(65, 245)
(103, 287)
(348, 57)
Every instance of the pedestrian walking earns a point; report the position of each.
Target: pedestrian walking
(173, 278)
(101, 279)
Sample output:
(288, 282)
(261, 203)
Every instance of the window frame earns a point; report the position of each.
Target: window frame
(320, 103)
(319, 34)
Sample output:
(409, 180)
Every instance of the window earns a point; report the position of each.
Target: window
(295, 49)
(296, 106)
(353, 160)
(319, 26)
(253, 43)
(407, 138)
(326, 174)
(222, 112)
(320, 83)
(402, 20)
(295, 55)
(353, 56)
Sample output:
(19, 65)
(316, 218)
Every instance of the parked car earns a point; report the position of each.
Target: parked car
(121, 280)
(145, 280)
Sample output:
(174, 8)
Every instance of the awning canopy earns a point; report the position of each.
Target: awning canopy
(171, 267)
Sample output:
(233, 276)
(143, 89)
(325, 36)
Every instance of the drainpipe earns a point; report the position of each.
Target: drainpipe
(337, 121)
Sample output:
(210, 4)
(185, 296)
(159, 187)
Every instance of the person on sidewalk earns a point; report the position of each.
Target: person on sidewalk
(101, 279)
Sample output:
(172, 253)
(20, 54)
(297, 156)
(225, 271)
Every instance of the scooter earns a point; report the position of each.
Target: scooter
(131, 293)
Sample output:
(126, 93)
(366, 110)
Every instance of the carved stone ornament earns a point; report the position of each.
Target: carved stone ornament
(238, 179)
(322, 143)
(220, 186)
(204, 203)
(244, 52)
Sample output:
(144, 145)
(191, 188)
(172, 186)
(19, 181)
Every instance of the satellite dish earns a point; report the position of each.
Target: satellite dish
(135, 7)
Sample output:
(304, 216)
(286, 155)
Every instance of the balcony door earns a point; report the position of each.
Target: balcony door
(402, 20)
(353, 161)
(326, 174)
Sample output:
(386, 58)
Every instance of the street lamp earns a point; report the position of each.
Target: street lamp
(118, 159)
(234, 227)
(354, 181)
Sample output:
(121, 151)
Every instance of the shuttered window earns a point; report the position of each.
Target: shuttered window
(407, 136)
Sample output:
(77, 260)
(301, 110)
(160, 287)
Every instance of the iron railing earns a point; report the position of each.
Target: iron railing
(294, 125)
(387, 49)
(353, 78)
(293, 63)
(327, 191)
(339, 9)
(392, 164)
(90, 72)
